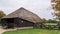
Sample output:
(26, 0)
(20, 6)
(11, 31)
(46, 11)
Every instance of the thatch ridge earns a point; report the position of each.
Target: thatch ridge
(24, 14)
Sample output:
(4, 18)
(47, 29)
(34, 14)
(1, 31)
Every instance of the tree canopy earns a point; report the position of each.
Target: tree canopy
(56, 7)
(2, 14)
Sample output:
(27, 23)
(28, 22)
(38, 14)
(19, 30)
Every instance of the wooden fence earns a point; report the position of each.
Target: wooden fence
(51, 27)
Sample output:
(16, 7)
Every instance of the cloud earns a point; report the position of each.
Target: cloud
(39, 7)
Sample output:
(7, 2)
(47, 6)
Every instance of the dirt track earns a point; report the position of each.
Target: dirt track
(3, 30)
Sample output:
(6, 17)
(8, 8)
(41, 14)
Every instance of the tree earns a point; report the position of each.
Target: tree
(44, 20)
(2, 14)
(51, 21)
(56, 7)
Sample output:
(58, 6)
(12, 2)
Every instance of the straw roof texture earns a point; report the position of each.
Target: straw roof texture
(24, 14)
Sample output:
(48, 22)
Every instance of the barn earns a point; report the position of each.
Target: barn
(20, 18)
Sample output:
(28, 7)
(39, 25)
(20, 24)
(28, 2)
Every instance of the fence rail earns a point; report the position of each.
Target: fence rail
(40, 25)
(52, 27)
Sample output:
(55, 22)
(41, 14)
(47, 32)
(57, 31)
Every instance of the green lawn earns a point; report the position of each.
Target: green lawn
(33, 31)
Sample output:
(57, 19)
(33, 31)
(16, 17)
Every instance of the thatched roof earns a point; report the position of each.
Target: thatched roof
(24, 14)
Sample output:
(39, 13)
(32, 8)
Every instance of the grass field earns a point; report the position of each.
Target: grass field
(33, 31)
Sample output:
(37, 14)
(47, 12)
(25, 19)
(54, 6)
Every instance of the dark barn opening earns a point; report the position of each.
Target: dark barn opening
(15, 22)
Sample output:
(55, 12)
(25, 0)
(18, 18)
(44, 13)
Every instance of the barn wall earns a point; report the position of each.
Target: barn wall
(6, 22)
(22, 23)
(15, 22)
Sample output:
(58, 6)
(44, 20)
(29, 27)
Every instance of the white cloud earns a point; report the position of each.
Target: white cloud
(40, 7)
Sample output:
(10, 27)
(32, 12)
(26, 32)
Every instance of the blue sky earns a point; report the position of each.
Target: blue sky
(40, 7)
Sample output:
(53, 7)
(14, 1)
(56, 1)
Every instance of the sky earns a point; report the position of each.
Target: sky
(40, 7)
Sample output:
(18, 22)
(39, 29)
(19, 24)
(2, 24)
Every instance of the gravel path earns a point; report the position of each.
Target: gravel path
(3, 30)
